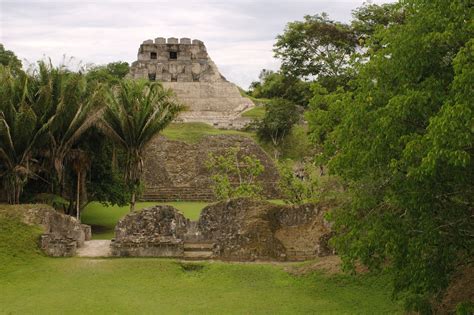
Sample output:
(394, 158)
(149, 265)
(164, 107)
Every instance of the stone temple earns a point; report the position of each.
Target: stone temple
(185, 67)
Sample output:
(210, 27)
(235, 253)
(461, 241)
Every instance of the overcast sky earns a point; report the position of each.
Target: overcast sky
(239, 34)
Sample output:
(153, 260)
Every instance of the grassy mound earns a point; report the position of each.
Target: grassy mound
(18, 241)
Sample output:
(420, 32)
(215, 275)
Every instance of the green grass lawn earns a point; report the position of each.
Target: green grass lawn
(104, 218)
(160, 286)
(33, 284)
(255, 113)
(193, 132)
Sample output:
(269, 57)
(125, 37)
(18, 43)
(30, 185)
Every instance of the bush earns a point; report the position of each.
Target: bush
(235, 175)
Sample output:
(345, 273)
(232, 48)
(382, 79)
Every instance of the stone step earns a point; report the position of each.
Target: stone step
(198, 246)
(190, 255)
(164, 198)
(178, 192)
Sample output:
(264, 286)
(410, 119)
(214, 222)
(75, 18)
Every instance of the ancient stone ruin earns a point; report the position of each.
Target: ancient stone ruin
(175, 170)
(239, 229)
(62, 235)
(156, 232)
(185, 67)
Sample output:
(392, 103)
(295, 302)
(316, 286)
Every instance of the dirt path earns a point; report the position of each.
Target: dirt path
(94, 248)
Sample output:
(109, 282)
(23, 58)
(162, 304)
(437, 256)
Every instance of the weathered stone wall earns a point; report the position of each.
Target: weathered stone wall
(185, 67)
(175, 61)
(156, 232)
(244, 229)
(63, 234)
(240, 229)
(176, 170)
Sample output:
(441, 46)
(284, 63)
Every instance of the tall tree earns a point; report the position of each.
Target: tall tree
(20, 131)
(9, 59)
(403, 141)
(137, 112)
(77, 105)
(370, 17)
(280, 117)
(278, 85)
(317, 47)
(110, 73)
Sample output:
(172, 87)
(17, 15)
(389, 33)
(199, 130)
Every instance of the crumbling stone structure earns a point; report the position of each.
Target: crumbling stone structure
(157, 232)
(245, 229)
(62, 235)
(185, 67)
(175, 170)
(239, 229)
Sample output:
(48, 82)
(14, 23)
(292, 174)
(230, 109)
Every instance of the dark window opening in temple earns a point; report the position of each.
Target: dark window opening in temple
(152, 76)
(173, 55)
(174, 79)
(153, 55)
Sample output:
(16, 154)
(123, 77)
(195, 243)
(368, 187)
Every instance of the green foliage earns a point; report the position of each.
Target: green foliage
(136, 112)
(316, 47)
(105, 182)
(55, 201)
(370, 17)
(465, 308)
(402, 140)
(296, 145)
(21, 128)
(305, 183)
(10, 60)
(110, 74)
(326, 111)
(280, 116)
(279, 85)
(235, 175)
(298, 187)
(71, 105)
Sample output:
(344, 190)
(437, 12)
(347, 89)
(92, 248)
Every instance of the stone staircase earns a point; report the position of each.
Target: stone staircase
(300, 255)
(177, 194)
(198, 250)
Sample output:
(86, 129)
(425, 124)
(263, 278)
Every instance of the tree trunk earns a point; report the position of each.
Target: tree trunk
(132, 203)
(78, 197)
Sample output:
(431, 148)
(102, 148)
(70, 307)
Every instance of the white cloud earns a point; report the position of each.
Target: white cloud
(239, 34)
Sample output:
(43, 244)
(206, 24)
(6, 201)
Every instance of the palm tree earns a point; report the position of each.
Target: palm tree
(80, 162)
(137, 111)
(77, 105)
(20, 131)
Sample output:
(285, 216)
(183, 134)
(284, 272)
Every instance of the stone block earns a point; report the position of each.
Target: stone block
(87, 232)
(160, 40)
(173, 40)
(148, 42)
(185, 40)
(185, 77)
